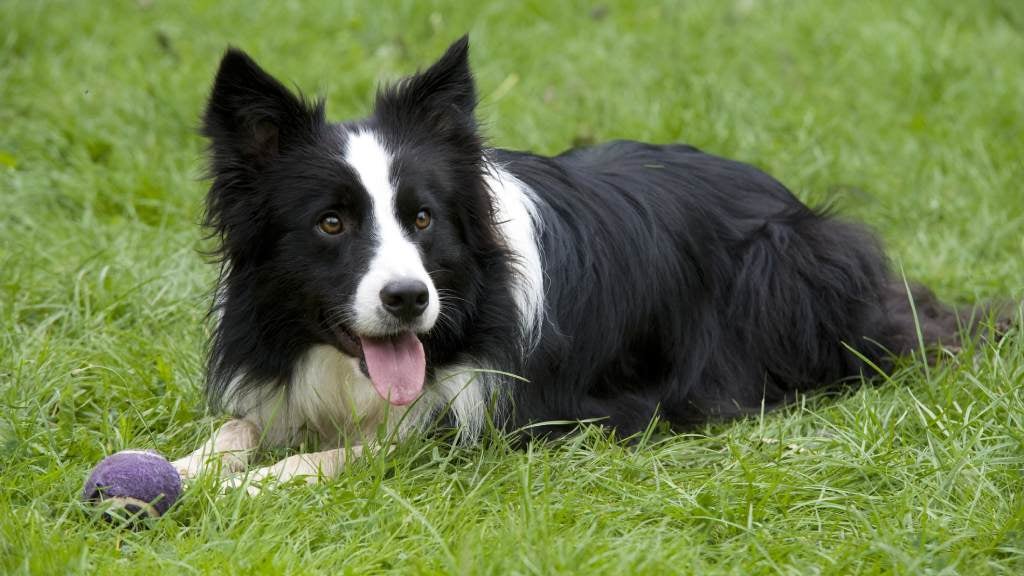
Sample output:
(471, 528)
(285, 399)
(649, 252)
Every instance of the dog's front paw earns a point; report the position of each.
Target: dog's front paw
(188, 468)
(251, 486)
(299, 468)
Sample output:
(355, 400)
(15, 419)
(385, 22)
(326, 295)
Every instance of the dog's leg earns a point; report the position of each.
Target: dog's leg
(308, 467)
(228, 447)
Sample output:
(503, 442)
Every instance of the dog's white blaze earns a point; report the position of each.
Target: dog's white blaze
(396, 256)
(519, 222)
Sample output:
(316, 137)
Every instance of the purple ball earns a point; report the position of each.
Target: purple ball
(135, 480)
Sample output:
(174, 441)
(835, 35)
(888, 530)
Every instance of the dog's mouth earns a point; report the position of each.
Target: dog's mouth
(396, 363)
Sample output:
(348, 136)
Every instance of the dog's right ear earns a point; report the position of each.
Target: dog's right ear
(251, 117)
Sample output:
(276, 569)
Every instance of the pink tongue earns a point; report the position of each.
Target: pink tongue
(397, 366)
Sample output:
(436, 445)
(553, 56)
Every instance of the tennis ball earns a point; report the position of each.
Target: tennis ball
(136, 481)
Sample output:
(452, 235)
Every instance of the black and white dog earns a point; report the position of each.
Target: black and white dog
(396, 271)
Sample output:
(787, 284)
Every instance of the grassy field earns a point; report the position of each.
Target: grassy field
(906, 115)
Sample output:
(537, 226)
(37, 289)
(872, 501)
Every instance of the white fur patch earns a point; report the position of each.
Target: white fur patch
(333, 396)
(328, 395)
(466, 391)
(520, 224)
(396, 257)
(230, 445)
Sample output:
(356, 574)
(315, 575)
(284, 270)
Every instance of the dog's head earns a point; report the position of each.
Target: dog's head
(368, 235)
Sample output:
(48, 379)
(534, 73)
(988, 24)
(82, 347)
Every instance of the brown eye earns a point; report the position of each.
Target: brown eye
(330, 224)
(422, 219)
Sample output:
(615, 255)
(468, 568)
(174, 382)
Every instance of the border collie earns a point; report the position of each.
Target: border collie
(396, 273)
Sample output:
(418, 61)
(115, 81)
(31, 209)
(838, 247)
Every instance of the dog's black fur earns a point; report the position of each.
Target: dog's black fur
(675, 283)
(725, 295)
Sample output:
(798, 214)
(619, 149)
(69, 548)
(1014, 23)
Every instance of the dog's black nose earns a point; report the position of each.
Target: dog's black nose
(405, 299)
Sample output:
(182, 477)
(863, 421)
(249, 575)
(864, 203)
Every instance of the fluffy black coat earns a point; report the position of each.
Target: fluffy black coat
(695, 287)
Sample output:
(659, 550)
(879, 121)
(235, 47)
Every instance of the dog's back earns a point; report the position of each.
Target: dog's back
(701, 287)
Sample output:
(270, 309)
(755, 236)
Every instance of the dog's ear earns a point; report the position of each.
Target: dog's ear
(251, 117)
(443, 95)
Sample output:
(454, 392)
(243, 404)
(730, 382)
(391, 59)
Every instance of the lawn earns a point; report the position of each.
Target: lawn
(906, 115)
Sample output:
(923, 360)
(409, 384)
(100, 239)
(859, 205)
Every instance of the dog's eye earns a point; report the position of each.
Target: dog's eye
(422, 219)
(330, 224)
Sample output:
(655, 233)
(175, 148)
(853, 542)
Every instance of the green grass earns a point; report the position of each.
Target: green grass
(907, 115)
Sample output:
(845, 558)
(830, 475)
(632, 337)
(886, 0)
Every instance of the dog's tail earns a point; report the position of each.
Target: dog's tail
(918, 319)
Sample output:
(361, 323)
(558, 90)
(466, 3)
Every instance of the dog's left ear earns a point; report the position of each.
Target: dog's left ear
(443, 93)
